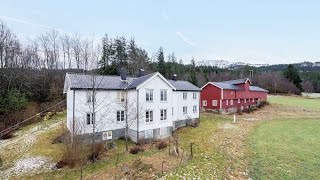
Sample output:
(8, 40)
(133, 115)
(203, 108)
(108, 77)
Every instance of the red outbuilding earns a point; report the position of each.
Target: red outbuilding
(231, 96)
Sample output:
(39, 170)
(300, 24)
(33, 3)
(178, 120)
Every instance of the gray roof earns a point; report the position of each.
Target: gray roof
(83, 81)
(237, 81)
(256, 88)
(137, 81)
(184, 86)
(226, 85)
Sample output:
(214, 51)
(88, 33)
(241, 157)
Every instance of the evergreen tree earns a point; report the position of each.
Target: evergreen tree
(292, 74)
(120, 56)
(104, 58)
(161, 62)
(133, 58)
(193, 78)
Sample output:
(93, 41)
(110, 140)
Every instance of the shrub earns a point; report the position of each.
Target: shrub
(98, 150)
(111, 145)
(60, 164)
(263, 103)
(136, 150)
(162, 145)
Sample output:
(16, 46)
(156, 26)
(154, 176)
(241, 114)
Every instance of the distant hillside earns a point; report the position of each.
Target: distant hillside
(223, 64)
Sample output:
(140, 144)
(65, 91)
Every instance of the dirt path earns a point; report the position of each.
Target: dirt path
(16, 160)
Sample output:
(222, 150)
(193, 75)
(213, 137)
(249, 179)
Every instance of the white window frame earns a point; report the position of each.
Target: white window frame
(107, 135)
(194, 95)
(185, 110)
(163, 95)
(163, 114)
(231, 102)
(148, 134)
(194, 108)
(120, 96)
(121, 116)
(214, 103)
(227, 102)
(245, 100)
(89, 118)
(185, 95)
(90, 97)
(204, 102)
(238, 101)
(149, 117)
(149, 95)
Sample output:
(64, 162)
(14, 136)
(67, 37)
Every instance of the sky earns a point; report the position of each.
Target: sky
(251, 31)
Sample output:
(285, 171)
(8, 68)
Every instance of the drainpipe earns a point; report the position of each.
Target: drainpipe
(73, 112)
(138, 116)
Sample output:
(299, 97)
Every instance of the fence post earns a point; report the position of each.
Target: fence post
(191, 150)
(162, 167)
(117, 160)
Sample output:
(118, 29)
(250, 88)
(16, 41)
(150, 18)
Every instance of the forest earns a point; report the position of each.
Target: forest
(33, 71)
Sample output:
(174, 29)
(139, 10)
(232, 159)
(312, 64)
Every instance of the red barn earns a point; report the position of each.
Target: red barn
(231, 96)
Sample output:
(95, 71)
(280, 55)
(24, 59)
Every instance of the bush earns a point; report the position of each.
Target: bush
(98, 150)
(75, 153)
(136, 150)
(111, 145)
(162, 145)
(263, 103)
(60, 164)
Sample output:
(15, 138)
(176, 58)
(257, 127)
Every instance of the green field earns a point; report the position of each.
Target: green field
(287, 148)
(300, 102)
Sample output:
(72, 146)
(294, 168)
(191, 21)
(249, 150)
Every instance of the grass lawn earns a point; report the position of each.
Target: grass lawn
(301, 102)
(286, 149)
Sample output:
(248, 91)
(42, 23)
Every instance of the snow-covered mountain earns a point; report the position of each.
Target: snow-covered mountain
(226, 64)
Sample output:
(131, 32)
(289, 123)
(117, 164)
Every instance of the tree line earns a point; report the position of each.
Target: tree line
(34, 70)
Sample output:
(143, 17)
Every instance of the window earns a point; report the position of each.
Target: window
(214, 102)
(238, 101)
(89, 97)
(185, 110)
(149, 116)
(185, 95)
(245, 100)
(231, 102)
(227, 101)
(149, 95)
(120, 115)
(194, 95)
(194, 109)
(120, 96)
(89, 118)
(163, 95)
(204, 103)
(148, 134)
(107, 135)
(163, 114)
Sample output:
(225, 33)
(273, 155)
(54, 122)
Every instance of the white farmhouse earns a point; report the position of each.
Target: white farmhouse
(152, 105)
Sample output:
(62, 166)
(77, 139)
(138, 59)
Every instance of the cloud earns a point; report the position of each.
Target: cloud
(18, 20)
(185, 39)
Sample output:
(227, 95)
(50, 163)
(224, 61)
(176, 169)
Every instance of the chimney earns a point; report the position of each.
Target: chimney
(174, 77)
(141, 72)
(123, 74)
